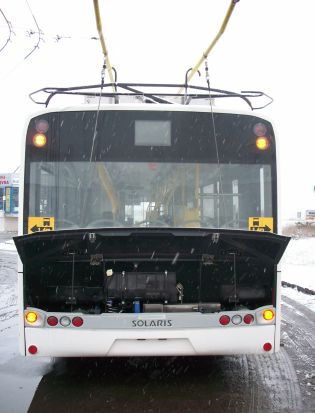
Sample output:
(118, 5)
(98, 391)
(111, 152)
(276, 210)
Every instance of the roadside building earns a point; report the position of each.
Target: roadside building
(9, 202)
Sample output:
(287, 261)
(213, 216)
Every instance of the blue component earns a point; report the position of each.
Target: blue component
(136, 306)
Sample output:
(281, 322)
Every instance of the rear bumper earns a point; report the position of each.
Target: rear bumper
(175, 342)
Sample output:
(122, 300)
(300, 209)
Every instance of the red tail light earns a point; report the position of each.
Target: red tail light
(32, 349)
(260, 129)
(224, 320)
(52, 321)
(77, 321)
(267, 346)
(248, 319)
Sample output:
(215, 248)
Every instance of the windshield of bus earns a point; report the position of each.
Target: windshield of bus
(149, 169)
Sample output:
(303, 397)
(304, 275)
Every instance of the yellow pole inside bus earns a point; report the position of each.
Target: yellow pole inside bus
(212, 44)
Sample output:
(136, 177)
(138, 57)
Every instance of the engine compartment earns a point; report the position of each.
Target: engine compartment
(150, 270)
(188, 286)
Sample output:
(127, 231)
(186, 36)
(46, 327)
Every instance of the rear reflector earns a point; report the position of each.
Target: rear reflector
(77, 321)
(236, 319)
(267, 346)
(32, 349)
(65, 321)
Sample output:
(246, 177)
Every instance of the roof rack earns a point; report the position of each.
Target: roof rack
(152, 93)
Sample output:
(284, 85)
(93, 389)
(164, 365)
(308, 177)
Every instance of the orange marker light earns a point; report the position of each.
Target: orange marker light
(39, 140)
(262, 143)
(31, 317)
(268, 315)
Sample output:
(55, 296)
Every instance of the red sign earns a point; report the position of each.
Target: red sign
(5, 179)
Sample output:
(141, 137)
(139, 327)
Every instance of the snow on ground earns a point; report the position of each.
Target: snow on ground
(305, 299)
(7, 246)
(298, 267)
(8, 300)
(19, 377)
(8, 280)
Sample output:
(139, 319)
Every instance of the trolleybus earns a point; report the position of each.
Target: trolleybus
(149, 229)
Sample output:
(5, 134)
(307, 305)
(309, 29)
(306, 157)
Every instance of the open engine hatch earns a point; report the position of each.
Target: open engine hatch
(149, 269)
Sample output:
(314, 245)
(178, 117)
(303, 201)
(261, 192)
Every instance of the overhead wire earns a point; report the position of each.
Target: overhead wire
(39, 32)
(57, 38)
(29, 32)
(10, 31)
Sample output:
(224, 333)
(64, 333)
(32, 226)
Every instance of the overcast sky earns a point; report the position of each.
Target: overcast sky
(268, 45)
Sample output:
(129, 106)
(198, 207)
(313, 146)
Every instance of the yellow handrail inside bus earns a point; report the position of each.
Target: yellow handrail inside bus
(109, 188)
(102, 40)
(212, 44)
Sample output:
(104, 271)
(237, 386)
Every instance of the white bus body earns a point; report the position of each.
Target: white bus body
(106, 309)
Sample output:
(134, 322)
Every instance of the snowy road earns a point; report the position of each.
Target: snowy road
(281, 383)
(19, 376)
